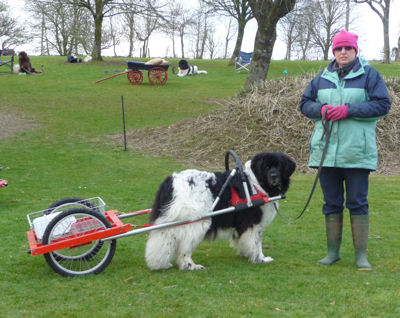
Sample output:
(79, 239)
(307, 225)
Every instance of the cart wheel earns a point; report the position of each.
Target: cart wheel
(135, 77)
(74, 202)
(88, 258)
(157, 76)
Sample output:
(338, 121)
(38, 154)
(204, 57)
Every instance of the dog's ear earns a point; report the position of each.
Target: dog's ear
(259, 166)
(289, 166)
(257, 163)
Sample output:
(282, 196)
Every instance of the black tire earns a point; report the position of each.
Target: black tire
(87, 259)
(73, 201)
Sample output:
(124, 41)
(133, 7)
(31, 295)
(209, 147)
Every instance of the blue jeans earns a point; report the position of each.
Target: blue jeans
(332, 182)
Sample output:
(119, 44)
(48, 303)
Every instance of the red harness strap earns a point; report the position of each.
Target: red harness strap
(237, 200)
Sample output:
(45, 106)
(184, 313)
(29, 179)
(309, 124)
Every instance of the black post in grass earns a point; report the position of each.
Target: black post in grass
(123, 120)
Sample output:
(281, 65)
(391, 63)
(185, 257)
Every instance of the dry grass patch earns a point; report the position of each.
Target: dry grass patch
(264, 119)
(11, 124)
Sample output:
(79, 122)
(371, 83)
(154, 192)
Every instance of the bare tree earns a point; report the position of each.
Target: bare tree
(304, 31)
(129, 22)
(288, 27)
(382, 9)
(187, 20)
(98, 9)
(396, 50)
(146, 24)
(58, 25)
(240, 11)
(267, 14)
(172, 22)
(115, 34)
(200, 29)
(229, 36)
(11, 34)
(211, 42)
(329, 16)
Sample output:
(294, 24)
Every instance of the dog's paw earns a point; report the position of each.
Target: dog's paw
(191, 267)
(198, 267)
(262, 260)
(267, 259)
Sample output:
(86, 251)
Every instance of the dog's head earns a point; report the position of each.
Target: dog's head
(273, 171)
(183, 64)
(23, 56)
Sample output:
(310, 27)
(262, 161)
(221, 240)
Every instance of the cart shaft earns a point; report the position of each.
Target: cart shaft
(176, 223)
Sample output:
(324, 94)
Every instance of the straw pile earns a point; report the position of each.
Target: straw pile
(264, 119)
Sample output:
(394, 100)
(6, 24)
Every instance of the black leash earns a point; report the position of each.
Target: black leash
(327, 134)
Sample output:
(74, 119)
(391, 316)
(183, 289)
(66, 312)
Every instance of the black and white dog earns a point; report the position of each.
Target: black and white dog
(189, 195)
(185, 69)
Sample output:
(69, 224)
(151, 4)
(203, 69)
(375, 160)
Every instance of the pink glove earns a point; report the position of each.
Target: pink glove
(338, 112)
(323, 109)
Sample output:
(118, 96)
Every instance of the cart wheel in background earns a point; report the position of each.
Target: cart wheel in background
(88, 258)
(157, 76)
(135, 77)
(74, 202)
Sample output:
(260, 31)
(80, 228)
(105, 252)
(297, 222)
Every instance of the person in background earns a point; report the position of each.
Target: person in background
(25, 65)
(352, 96)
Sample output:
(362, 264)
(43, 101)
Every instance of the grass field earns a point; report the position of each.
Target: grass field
(67, 153)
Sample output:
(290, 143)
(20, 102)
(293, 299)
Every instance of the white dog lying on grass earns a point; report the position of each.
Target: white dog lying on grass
(185, 69)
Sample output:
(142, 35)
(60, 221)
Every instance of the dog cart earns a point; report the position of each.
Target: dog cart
(157, 74)
(78, 237)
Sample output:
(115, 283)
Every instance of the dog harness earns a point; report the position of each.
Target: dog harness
(257, 199)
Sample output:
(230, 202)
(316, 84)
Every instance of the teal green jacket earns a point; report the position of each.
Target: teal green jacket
(353, 139)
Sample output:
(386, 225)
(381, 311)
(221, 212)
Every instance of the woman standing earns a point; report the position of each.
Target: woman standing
(352, 96)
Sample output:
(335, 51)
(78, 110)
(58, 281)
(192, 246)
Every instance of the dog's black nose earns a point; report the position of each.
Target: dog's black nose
(274, 177)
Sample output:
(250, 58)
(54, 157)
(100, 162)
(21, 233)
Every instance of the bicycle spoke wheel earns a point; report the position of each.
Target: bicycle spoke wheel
(87, 258)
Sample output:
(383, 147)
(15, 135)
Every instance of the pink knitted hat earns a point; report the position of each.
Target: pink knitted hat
(344, 38)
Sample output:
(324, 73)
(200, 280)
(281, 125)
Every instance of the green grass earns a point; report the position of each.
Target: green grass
(68, 154)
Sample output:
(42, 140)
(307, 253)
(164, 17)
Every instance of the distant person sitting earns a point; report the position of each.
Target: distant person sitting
(25, 65)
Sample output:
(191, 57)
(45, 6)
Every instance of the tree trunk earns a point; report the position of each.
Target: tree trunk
(182, 45)
(239, 40)
(347, 25)
(98, 22)
(263, 46)
(386, 45)
(384, 15)
(267, 14)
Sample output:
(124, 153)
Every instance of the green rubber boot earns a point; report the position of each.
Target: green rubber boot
(334, 225)
(360, 230)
